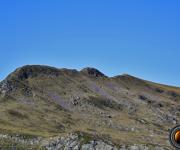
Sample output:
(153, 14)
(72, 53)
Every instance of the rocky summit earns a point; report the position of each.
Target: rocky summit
(47, 108)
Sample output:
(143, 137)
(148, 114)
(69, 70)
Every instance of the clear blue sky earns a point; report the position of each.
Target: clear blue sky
(138, 37)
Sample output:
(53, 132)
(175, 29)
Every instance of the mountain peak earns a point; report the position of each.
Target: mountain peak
(92, 72)
(127, 76)
(33, 71)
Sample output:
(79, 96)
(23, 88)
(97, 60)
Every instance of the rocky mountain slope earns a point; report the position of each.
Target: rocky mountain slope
(43, 107)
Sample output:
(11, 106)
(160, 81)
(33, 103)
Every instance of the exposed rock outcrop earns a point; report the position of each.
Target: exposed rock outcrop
(74, 142)
(92, 72)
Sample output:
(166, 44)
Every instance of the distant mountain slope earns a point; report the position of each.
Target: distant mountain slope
(43, 101)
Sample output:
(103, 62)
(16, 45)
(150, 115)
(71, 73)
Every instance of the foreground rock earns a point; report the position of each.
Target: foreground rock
(76, 142)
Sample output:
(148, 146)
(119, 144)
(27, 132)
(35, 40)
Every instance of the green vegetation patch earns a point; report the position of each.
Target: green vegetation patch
(17, 114)
(84, 137)
(103, 103)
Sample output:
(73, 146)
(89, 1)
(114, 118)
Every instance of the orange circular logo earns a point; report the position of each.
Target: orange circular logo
(174, 137)
(177, 137)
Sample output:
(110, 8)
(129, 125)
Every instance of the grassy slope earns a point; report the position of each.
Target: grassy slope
(33, 109)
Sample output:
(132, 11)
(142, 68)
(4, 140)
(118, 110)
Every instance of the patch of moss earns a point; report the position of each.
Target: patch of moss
(84, 137)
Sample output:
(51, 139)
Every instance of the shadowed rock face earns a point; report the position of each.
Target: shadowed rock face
(92, 72)
(121, 112)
